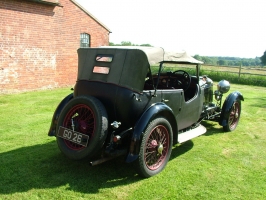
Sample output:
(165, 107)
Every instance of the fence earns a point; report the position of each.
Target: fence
(236, 74)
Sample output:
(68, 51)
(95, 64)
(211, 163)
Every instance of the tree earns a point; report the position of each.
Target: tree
(222, 62)
(146, 45)
(207, 60)
(197, 57)
(230, 63)
(263, 58)
(126, 43)
(111, 44)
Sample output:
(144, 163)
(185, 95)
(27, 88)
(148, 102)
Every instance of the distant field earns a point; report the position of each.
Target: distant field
(247, 76)
(250, 70)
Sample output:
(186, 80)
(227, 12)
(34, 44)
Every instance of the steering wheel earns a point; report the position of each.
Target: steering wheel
(183, 79)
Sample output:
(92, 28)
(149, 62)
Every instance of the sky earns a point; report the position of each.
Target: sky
(233, 28)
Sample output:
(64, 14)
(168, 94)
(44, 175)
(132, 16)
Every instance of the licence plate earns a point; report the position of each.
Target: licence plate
(73, 136)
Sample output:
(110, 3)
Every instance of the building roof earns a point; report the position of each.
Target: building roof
(48, 2)
(57, 3)
(91, 15)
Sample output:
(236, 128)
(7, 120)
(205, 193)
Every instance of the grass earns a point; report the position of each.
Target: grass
(216, 165)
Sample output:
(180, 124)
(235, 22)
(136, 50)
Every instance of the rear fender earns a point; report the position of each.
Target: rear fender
(228, 103)
(158, 109)
(57, 113)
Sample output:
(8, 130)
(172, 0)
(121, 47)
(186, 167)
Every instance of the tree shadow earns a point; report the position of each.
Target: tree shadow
(43, 166)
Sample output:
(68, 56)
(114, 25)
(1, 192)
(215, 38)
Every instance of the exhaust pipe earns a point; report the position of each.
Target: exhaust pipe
(101, 160)
(104, 159)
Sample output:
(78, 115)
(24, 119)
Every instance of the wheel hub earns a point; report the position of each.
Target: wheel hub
(154, 143)
(83, 126)
(160, 149)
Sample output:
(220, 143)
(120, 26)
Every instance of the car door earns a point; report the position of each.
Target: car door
(190, 110)
(173, 98)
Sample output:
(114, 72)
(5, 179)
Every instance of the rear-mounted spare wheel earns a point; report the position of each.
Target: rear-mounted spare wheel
(82, 127)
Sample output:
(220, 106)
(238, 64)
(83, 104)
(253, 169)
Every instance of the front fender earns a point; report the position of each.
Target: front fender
(231, 98)
(57, 113)
(155, 110)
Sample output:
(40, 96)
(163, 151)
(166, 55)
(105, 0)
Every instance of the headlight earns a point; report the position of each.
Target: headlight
(223, 86)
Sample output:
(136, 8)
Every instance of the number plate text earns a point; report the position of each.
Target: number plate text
(73, 136)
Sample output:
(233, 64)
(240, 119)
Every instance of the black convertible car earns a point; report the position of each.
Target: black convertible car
(137, 102)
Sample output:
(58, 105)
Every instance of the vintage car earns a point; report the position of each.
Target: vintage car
(137, 102)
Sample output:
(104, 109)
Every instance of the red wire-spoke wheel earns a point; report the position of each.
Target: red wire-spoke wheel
(84, 115)
(82, 118)
(156, 147)
(234, 116)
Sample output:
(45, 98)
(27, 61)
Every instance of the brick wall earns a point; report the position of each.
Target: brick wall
(39, 42)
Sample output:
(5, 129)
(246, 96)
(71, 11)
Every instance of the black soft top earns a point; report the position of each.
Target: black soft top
(124, 66)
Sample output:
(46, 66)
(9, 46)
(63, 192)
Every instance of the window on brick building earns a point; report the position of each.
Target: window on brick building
(84, 40)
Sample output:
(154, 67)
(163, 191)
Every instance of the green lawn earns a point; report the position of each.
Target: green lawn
(216, 165)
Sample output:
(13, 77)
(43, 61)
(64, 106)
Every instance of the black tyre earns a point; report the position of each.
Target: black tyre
(234, 116)
(156, 147)
(90, 118)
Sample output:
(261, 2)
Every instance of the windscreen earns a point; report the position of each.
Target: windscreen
(191, 69)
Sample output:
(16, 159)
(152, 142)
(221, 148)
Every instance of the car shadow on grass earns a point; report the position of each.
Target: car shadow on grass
(180, 149)
(212, 128)
(43, 166)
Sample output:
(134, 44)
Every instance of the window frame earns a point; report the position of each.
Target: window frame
(84, 37)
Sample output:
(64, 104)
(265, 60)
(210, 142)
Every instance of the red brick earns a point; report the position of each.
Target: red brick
(38, 44)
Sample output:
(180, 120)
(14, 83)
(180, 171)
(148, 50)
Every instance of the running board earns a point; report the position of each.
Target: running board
(188, 135)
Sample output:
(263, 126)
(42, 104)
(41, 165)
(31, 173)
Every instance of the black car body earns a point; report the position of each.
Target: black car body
(138, 102)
